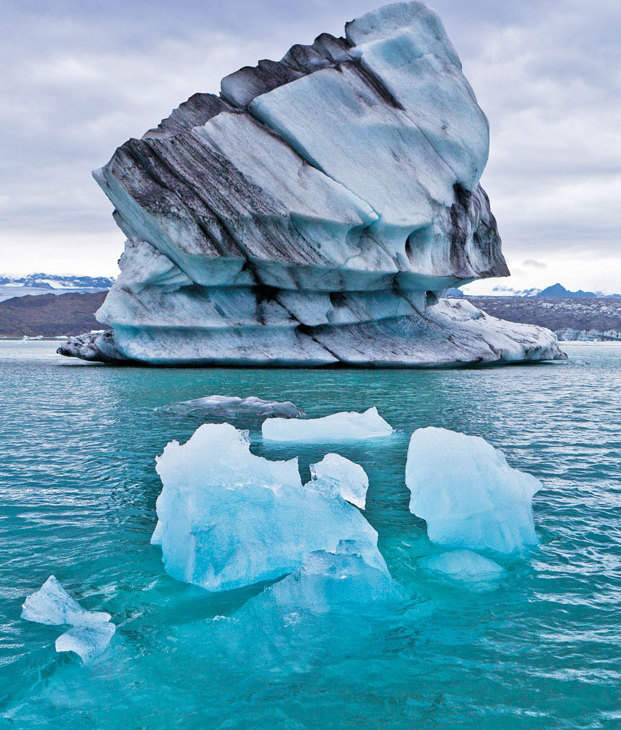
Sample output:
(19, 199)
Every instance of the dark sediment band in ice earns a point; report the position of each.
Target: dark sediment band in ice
(313, 213)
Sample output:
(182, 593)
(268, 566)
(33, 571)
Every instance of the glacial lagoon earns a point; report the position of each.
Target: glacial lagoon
(538, 648)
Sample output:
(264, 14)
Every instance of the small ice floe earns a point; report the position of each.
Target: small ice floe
(87, 641)
(464, 566)
(52, 605)
(241, 411)
(228, 518)
(468, 494)
(349, 478)
(344, 426)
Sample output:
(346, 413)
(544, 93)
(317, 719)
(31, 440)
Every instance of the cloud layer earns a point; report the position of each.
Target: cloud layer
(80, 78)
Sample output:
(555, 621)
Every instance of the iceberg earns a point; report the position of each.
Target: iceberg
(345, 426)
(468, 494)
(87, 641)
(232, 409)
(313, 213)
(465, 566)
(349, 478)
(91, 631)
(52, 605)
(228, 518)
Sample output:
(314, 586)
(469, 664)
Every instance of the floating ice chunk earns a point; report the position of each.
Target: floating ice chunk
(336, 427)
(242, 411)
(228, 518)
(350, 478)
(52, 605)
(464, 565)
(87, 641)
(468, 494)
(91, 630)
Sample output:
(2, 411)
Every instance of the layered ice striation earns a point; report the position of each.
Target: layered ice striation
(91, 630)
(468, 494)
(228, 518)
(251, 411)
(313, 213)
(344, 426)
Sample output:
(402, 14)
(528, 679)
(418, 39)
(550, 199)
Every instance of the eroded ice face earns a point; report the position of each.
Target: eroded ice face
(467, 493)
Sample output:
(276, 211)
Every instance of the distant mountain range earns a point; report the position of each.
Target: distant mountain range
(48, 281)
(33, 284)
(556, 290)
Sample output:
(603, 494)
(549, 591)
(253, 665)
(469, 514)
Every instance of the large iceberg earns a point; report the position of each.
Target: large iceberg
(344, 426)
(228, 518)
(468, 494)
(313, 213)
(91, 631)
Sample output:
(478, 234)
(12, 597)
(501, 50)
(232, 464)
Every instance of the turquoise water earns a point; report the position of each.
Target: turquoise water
(77, 496)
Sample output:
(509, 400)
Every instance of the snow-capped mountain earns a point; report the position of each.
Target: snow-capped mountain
(49, 281)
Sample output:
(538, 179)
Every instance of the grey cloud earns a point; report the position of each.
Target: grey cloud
(80, 78)
(535, 264)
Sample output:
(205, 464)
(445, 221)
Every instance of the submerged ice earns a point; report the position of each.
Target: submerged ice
(251, 411)
(467, 493)
(327, 582)
(228, 518)
(464, 565)
(91, 630)
(348, 425)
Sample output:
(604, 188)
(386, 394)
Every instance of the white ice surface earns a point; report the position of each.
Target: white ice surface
(348, 425)
(87, 641)
(91, 630)
(52, 605)
(467, 493)
(228, 518)
(464, 565)
(350, 478)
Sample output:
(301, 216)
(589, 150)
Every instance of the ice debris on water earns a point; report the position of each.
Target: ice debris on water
(87, 641)
(349, 478)
(468, 494)
(228, 518)
(242, 411)
(52, 605)
(344, 426)
(464, 565)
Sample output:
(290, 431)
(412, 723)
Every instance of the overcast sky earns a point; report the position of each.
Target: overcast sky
(79, 77)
